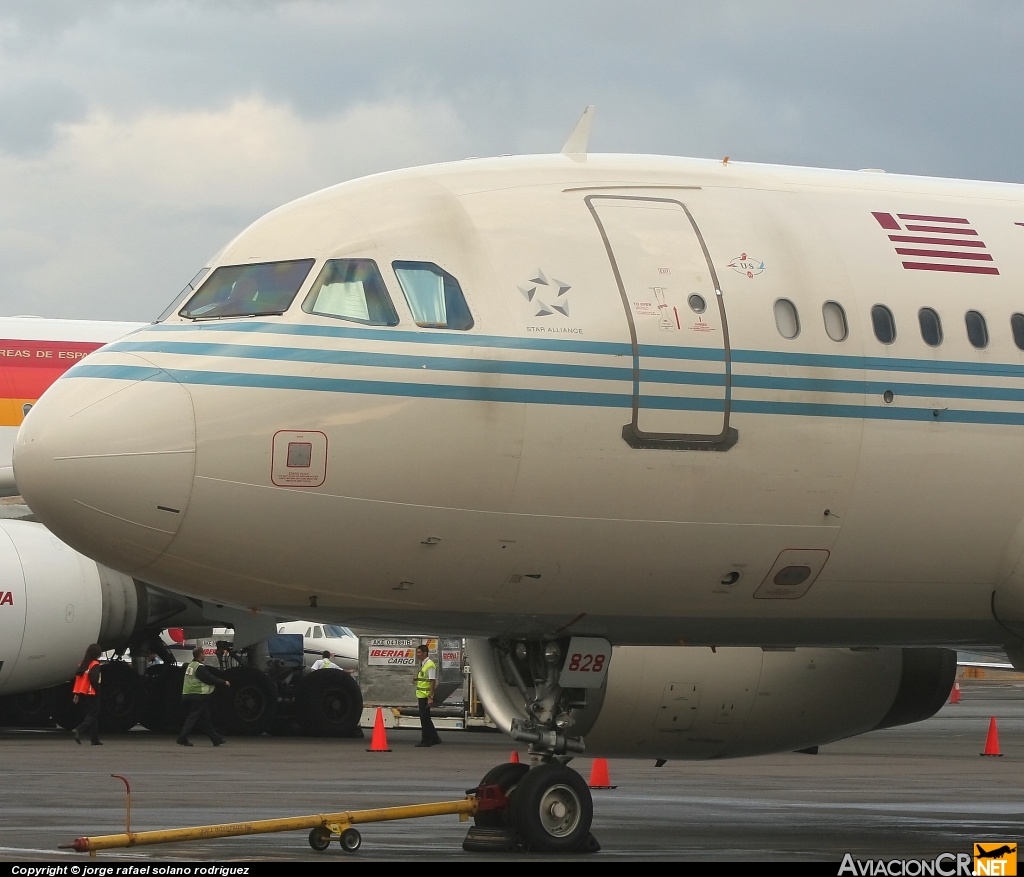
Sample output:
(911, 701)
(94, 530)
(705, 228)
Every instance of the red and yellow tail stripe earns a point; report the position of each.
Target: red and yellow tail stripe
(27, 368)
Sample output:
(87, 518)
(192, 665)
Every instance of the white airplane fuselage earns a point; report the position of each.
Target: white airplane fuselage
(623, 443)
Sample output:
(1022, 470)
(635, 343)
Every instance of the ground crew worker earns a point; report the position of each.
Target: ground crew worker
(87, 693)
(426, 684)
(325, 662)
(200, 682)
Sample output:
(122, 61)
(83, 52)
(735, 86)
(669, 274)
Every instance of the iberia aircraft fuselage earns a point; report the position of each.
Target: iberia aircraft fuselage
(653, 399)
(34, 352)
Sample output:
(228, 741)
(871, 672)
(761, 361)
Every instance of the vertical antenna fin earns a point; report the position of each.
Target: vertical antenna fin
(576, 146)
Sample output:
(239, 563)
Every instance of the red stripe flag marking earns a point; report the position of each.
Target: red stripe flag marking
(915, 239)
(916, 217)
(942, 232)
(945, 254)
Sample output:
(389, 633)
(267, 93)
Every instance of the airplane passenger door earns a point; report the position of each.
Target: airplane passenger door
(677, 323)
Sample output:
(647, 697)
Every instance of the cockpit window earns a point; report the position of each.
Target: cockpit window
(248, 290)
(351, 289)
(435, 297)
(190, 287)
(334, 631)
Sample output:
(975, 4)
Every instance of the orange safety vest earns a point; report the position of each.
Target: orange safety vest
(83, 685)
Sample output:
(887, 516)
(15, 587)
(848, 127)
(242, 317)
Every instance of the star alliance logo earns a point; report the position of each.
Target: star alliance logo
(554, 291)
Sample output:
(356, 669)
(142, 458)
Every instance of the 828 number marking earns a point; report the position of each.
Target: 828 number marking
(586, 663)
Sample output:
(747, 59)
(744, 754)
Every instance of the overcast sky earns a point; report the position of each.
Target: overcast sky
(137, 138)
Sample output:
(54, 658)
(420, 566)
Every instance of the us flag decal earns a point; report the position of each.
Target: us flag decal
(937, 243)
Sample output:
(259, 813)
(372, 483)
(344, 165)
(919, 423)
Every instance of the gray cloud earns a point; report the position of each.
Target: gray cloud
(31, 111)
(135, 139)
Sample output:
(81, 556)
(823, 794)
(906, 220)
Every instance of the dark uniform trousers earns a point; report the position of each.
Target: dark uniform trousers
(91, 723)
(199, 718)
(430, 735)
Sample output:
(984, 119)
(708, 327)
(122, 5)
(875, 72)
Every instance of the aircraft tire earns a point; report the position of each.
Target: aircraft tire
(25, 710)
(175, 710)
(61, 706)
(330, 704)
(286, 726)
(248, 708)
(552, 809)
(507, 776)
(121, 697)
(163, 711)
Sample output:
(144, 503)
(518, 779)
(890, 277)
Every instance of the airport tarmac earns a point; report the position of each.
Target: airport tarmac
(913, 791)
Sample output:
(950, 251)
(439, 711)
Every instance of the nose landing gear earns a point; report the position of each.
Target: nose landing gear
(531, 691)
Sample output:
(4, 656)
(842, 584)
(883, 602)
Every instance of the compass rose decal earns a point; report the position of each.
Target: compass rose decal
(546, 294)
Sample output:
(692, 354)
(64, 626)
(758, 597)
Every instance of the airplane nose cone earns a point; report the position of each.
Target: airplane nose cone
(107, 464)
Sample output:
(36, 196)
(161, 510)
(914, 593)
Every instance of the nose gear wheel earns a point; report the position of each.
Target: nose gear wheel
(552, 809)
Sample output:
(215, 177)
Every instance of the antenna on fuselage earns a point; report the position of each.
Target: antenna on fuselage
(576, 146)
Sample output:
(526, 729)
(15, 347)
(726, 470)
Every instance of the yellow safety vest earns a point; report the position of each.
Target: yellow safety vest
(423, 680)
(192, 683)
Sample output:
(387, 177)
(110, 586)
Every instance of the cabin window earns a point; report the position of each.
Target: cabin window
(977, 330)
(263, 289)
(835, 321)
(309, 632)
(697, 303)
(787, 321)
(1017, 326)
(883, 323)
(351, 289)
(931, 327)
(434, 296)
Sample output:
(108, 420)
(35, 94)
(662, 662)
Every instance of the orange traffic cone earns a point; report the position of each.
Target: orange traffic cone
(379, 741)
(599, 778)
(992, 741)
(514, 759)
(954, 695)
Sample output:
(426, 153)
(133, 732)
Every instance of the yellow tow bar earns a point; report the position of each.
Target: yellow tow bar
(323, 825)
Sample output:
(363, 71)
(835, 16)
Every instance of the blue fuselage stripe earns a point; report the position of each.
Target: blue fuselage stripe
(379, 360)
(566, 370)
(345, 385)
(530, 396)
(609, 348)
(435, 336)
